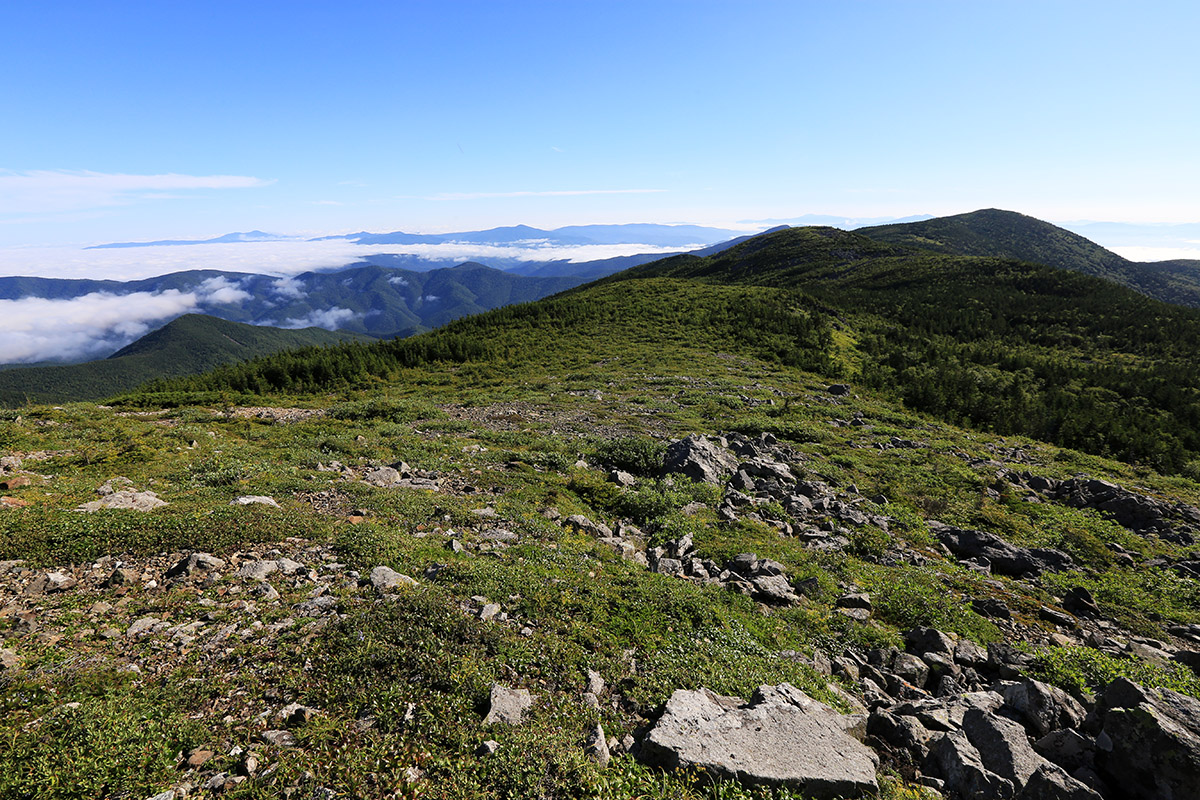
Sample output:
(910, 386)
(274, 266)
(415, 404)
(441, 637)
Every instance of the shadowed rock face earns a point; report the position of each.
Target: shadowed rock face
(1150, 744)
(1005, 558)
(782, 737)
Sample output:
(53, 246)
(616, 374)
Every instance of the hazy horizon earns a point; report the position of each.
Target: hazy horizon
(187, 120)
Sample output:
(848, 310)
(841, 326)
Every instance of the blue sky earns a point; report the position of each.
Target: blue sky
(148, 120)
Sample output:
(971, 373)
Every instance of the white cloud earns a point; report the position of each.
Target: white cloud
(431, 298)
(41, 191)
(90, 326)
(288, 287)
(1157, 253)
(330, 319)
(223, 290)
(561, 193)
(278, 258)
(398, 280)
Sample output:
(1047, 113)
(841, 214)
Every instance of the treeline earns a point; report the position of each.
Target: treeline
(781, 326)
(1001, 345)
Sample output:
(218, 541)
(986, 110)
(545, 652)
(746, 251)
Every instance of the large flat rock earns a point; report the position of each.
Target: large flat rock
(781, 737)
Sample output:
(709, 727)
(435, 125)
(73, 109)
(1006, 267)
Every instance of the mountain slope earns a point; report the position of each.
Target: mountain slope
(768, 528)
(1004, 345)
(1007, 234)
(364, 298)
(192, 343)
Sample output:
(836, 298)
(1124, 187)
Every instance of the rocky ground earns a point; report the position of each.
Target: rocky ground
(936, 708)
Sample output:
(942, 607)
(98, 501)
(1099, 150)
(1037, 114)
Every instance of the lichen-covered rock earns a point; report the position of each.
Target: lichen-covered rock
(1149, 746)
(507, 705)
(125, 499)
(781, 737)
(701, 459)
(1043, 708)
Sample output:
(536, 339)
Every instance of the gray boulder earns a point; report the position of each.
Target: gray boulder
(507, 705)
(1050, 783)
(258, 570)
(1005, 558)
(1002, 745)
(1149, 746)
(126, 499)
(1043, 708)
(701, 459)
(596, 746)
(386, 579)
(959, 762)
(195, 563)
(383, 477)
(781, 737)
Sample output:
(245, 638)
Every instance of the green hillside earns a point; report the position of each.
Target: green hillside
(189, 344)
(1003, 345)
(1007, 234)
(492, 506)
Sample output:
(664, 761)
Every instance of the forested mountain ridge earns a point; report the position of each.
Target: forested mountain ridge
(188, 344)
(1001, 344)
(579, 509)
(1007, 234)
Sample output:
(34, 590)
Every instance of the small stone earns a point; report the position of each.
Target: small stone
(856, 600)
(142, 625)
(9, 660)
(487, 748)
(507, 705)
(193, 564)
(198, 758)
(278, 738)
(295, 715)
(216, 782)
(596, 746)
(621, 478)
(258, 570)
(249, 765)
(595, 682)
(386, 579)
(253, 499)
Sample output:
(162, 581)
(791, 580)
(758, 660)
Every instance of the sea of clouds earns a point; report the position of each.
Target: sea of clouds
(97, 324)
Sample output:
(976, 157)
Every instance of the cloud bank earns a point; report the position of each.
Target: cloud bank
(280, 258)
(97, 324)
(329, 319)
(91, 326)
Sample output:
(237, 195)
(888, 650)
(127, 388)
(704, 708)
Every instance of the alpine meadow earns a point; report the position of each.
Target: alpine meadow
(628, 401)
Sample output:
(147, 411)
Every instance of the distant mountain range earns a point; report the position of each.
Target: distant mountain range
(363, 298)
(248, 236)
(380, 298)
(190, 344)
(647, 234)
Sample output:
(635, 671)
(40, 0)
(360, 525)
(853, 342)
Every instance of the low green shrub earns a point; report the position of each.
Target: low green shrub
(639, 455)
(1080, 668)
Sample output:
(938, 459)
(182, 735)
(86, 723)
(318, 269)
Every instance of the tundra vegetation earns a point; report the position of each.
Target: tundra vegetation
(492, 506)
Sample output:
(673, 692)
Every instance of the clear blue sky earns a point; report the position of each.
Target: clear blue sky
(141, 120)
